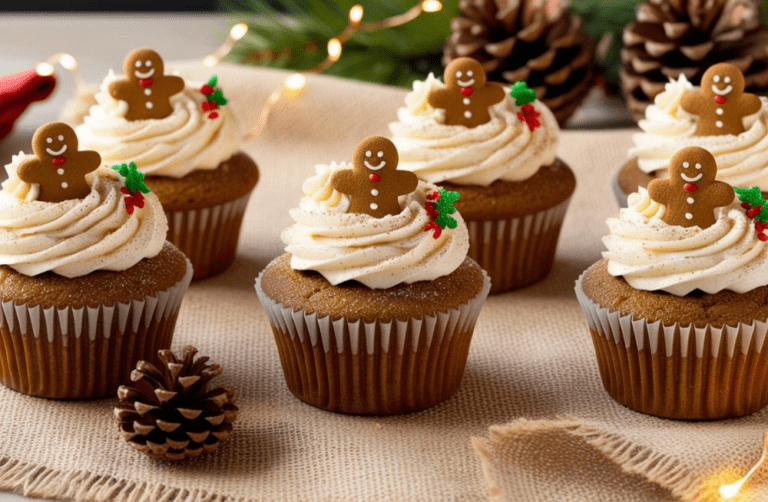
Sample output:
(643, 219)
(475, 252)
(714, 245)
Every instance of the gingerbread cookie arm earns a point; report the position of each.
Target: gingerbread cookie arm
(406, 182)
(175, 84)
(31, 171)
(691, 101)
(439, 98)
(496, 93)
(120, 89)
(659, 190)
(87, 161)
(720, 194)
(343, 181)
(750, 104)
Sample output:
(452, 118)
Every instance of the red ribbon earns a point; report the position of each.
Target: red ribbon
(720, 100)
(690, 187)
(59, 161)
(135, 199)
(146, 82)
(375, 178)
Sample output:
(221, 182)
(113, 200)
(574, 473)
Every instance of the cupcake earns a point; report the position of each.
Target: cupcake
(88, 283)
(678, 306)
(718, 116)
(468, 136)
(186, 141)
(374, 303)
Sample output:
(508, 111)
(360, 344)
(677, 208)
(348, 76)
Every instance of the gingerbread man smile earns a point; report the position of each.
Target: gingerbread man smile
(60, 151)
(380, 165)
(724, 92)
(465, 83)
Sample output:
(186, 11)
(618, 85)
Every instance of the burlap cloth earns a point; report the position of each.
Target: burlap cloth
(531, 367)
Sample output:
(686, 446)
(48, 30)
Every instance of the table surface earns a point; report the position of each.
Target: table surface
(26, 40)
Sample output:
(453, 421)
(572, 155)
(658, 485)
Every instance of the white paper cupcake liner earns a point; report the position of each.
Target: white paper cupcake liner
(84, 352)
(518, 251)
(382, 367)
(208, 236)
(679, 371)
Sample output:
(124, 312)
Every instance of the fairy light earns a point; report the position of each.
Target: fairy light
(728, 492)
(68, 62)
(295, 84)
(237, 32)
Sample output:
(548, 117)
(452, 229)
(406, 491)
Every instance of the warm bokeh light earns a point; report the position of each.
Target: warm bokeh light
(238, 31)
(727, 492)
(431, 5)
(294, 85)
(355, 15)
(44, 69)
(334, 49)
(67, 61)
(210, 60)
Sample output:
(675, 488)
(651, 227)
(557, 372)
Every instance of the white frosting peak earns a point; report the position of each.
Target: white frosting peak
(77, 236)
(378, 252)
(504, 148)
(652, 255)
(741, 160)
(174, 146)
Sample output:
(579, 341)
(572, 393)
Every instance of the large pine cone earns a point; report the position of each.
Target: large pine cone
(671, 37)
(170, 414)
(527, 40)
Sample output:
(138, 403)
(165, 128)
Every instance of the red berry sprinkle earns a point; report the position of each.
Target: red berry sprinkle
(206, 89)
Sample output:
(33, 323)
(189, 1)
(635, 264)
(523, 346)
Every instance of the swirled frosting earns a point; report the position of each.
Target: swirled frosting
(652, 255)
(378, 252)
(741, 160)
(502, 149)
(174, 146)
(75, 237)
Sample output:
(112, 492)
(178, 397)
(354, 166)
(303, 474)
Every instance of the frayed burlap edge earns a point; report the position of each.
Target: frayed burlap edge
(38, 481)
(668, 472)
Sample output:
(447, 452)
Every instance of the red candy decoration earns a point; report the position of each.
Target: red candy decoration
(530, 116)
(213, 115)
(206, 90)
(754, 211)
(58, 161)
(146, 82)
(720, 100)
(209, 105)
(374, 178)
(433, 213)
(134, 199)
(690, 187)
(466, 91)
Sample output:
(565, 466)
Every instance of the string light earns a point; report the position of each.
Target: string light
(295, 84)
(728, 492)
(237, 32)
(68, 62)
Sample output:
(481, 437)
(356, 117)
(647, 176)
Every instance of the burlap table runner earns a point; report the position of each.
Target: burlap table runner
(531, 366)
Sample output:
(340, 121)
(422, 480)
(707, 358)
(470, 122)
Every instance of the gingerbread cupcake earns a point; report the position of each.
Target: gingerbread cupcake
(374, 304)
(88, 283)
(718, 116)
(678, 306)
(498, 151)
(186, 140)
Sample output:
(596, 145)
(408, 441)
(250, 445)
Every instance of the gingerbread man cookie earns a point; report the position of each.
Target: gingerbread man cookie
(145, 88)
(721, 103)
(691, 193)
(466, 96)
(58, 167)
(374, 183)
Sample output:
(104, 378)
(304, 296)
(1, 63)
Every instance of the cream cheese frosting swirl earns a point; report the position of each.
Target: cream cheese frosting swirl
(378, 252)
(174, 146)
(654, 256)
(741, 160)
(78, 236)
(502, 149)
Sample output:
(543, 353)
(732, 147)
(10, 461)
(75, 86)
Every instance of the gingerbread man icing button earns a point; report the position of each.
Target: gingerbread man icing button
(58, 166)
(467, 95)
(146, 89)
(374, 183)
(691, 193)
(721, 103)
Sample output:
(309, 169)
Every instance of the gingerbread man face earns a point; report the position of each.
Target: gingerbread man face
(146, 88)
(691, 192)
(467, 94)
(58, 166)
(374, 183)
(721, 103)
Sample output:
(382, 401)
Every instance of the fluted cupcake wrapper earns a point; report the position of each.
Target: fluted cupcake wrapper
(518, 251)
(683, 372)
(208, 236)
(377, 368)
(87, 352)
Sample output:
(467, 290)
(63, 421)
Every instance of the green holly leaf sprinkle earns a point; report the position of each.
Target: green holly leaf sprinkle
(212, 81)
(444, 206)
(134, 179)
(521, 94)
(218, 97)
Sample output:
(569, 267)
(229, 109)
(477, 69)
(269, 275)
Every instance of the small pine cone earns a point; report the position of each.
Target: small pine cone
(170, 414)
(671, 37)
(527, 40)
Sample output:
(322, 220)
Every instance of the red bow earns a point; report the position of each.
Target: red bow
(59, 161)
(146, 82)
(466, 91)
(720, 100)
(690, 187)
(375, 178)
(530, 116)
(135, 199)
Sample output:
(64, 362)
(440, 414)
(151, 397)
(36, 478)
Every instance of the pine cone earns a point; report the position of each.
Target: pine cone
(170, 414)
(526, 40)
(671, 37)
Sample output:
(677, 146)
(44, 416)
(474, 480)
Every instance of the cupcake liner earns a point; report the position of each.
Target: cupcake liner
(86, 352)
(684, 372)
(208, 235)
(518, 251)
(376, 368)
